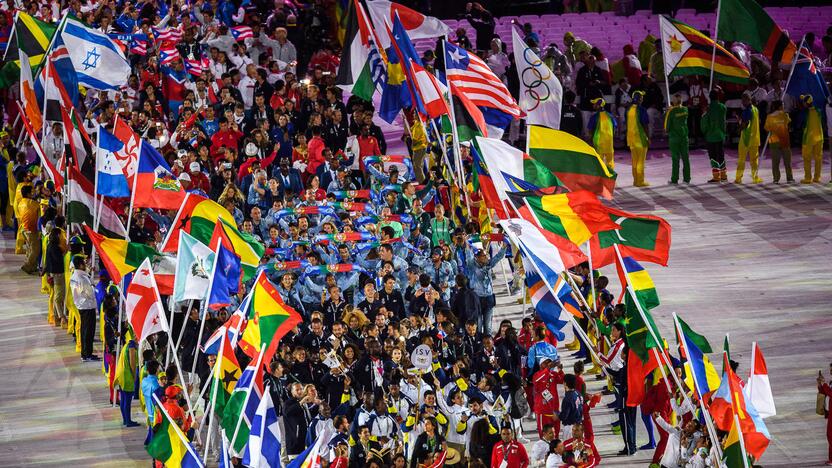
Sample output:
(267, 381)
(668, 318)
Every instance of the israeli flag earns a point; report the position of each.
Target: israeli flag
(98, 61)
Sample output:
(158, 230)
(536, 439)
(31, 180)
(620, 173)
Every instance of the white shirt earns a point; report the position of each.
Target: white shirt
(538, 453)
(247, 90)
(554, 461)
(83, 292)
(614, 360)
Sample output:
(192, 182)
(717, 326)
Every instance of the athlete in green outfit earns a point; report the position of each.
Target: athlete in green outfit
(676, 127)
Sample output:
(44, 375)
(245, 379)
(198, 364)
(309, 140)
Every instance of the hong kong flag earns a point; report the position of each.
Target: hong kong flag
(144, 306)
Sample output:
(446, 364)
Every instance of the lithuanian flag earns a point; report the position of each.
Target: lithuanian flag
(225, 375)
(199, 217)
(269, 319)
(170, 446)
(687, 51)
(645, 238)
(119, 256)
(576, 216)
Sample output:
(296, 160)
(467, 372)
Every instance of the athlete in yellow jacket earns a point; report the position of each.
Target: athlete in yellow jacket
(749, 140)
(812, 149)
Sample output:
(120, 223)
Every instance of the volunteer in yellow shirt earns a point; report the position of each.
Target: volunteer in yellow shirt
(749, 140)
(812, 148)
(777, 126)
(602, 125)
(28, 212)
(637, 140)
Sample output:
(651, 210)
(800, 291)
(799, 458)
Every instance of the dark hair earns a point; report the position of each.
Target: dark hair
(153, 367)
(569, 380)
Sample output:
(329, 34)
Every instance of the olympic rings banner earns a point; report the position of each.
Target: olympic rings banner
(540, 91)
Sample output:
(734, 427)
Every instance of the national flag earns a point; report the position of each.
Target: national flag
(225, 278)
(99, 62)
(642, 335)
(111, 181)
(807, 79)
(128, 156)
(757, 389)
(138, 46)
(572, 160)
(472, 77)
(76, 136)
(541, 93)
(224, 375)
(28, 99)
(431, 91)
(729, 402)
(51, 170)
(645, 238)
(686, 51)
(438, 460)
(394, 93)
(541, 251)
(512, 169)
(341, 18)
(733, 453)
(417, 25)
(269, 319)
(485, 184)
(242, 406)
(311, 457)
(637, 372)
(566, 296)
(57, 82)
(120, 256)
(695, 346)
(263, 449)
(169, 444)
(81, 203)
(156, 186)
(194, 263)
(242, 244)
(470, 122)
(172, 35)
(746, 21)
(143, 305)
(361, 69)
(241, 33)
(544, 303)
(576, 216)
(168, 54)
(31, 36)
(232, 328)
(196, 66)
(633, 275)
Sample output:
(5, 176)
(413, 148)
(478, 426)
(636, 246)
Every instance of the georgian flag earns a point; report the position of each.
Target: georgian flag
(143, 304)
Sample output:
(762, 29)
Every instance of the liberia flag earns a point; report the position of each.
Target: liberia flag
(143, 304)
(241, 33)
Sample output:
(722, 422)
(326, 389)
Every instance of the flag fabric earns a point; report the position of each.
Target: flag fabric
(242, 406)
(55, 85)
(168, 54)
(98, 61)
(633, 275)
(544, 303)
(143, 305)
(81, 203)
(639, 337)
(485, 184)
(637, 372)
(269, 319)
(241, 33)
(757, 389)
(694, 346)
(224, 375)
(31, 36)
(80, 145)
(728, 402)
(699, 340)
(28, 99)
(395, 95)
(645, 238)
(128, 156)
(197, 216)
(119, 256)
(576, 216)
(806, 79)
(469, 119)
(263, 449)
(170, 446)
(541, 93)
(746, 21)
(172, 35)
(572, 160)
(52, 171)
(232, 328)
(361, 69)
(732, 450)
(472, 77)
(430, 90)
(417, 25)
(111, 181)
(242, 244)
(311, 457)
(512, 169)
(225, 278)
(155, 185)
(686, 51)
(194, 263)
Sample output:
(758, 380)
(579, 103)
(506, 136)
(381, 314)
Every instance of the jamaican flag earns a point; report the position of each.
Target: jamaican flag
(33, 37)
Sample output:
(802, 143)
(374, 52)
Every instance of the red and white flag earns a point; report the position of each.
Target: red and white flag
(431, 90)
(128, 157)
(758, 389)
(143, 304)
(439, 459)
(417, 25)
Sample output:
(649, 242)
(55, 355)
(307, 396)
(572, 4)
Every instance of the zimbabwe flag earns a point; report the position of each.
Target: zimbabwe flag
(269, 319)
(687, 51)
(645, 238)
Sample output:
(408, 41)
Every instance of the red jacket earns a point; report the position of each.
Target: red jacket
(547, 380)
(515, 458)
(590, 454)
(316, 154)
(227, 138)
(367, 146)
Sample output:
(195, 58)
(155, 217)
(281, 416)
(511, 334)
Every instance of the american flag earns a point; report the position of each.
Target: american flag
(241, 33)
(168, 54)
(167, 34)
(470, 75)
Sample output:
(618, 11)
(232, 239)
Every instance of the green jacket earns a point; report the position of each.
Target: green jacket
(676, 123)
(713, 122)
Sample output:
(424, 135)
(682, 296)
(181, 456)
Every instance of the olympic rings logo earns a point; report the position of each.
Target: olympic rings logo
(534, 81)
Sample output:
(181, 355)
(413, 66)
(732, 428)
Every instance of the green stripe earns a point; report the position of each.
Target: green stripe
(137, 253)
(745, 21)
(547, 220)
(565, 161)
(701, 71)
(160, 446)
(700, 341)
(635, 232)
(79, 213)
(639, 338)
(538, 174)
(363, 86)
(233, 414)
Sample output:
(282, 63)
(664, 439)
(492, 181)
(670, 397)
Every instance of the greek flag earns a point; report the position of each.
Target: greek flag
(98, 61)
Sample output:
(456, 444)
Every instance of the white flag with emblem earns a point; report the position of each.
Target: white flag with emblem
(540, 90)
(98, 61)
(143, 304)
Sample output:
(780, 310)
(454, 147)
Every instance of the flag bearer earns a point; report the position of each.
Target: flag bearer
(637, 140)
(602, 125)
(749, 140)
(676, 127)
(812, 149)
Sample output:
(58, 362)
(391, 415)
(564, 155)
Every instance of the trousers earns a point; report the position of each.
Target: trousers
(639, 154)
(812, 153)
(753, 155)
(87, 331)
(679, 153)
(777, 153)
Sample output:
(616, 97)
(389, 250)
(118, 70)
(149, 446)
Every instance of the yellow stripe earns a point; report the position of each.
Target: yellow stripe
(546, 138)
(558, 205)
(241, 247)
(177, 448)
(116, 251)
(719, 68)
(33, 28)
(641, 280)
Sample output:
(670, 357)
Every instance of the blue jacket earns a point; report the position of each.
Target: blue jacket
(480, 275)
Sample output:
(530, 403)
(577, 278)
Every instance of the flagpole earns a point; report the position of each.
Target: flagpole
(455, 132)
(204, 308)
(179, 431)
(248, 394)
(49, 49)
(213, 411)
(742, 441)
(709, 423)
(713, 53)
(783, 93)
(184, 321)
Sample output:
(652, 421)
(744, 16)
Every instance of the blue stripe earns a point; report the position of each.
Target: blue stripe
(697, 366)
(84, 79)
(87, 35)
(631, 265)
(107, 141)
